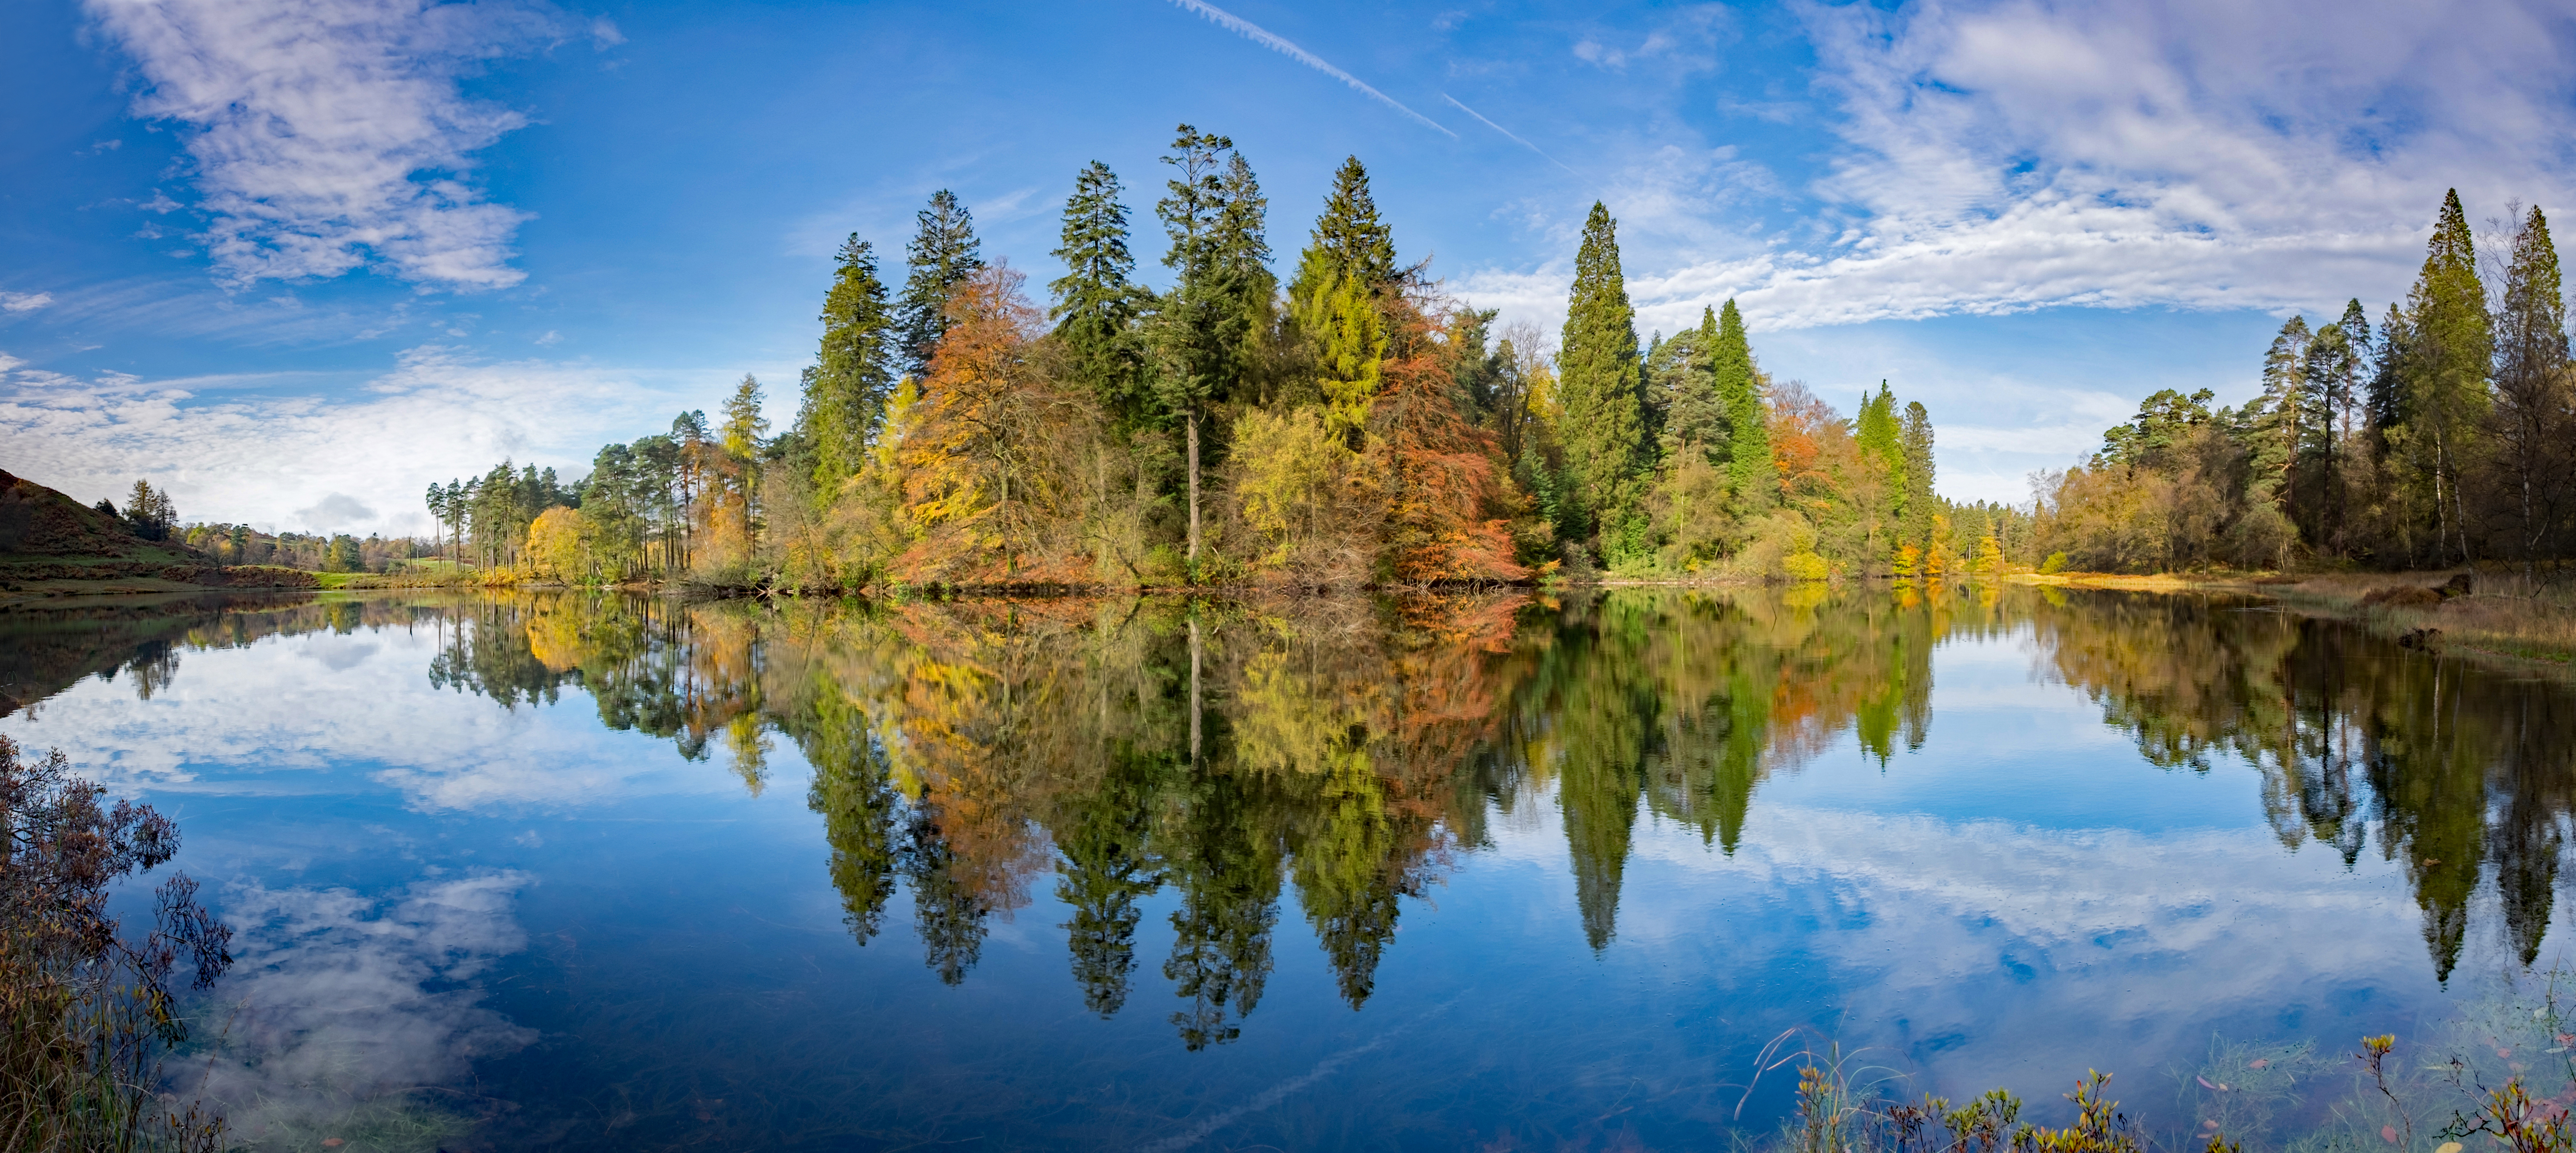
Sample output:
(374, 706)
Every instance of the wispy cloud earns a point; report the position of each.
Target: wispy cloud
(24, 301)
(1267, 39)
(330, 134)
(1508, 134)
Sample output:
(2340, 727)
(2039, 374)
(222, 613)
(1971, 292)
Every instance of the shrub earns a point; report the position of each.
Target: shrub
(2056, 563)
(85, 1014)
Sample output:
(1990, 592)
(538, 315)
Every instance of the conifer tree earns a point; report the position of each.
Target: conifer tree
(1348, 241)
(1748, 431)
(2534, 421)
(2276, 416)
(1876, 433)
(853, 373)
(1348, 262)
(1097, 301)
(1598, 385)
(1914, 444)
(744, 430)
(2385, 406)
(942, 254)
(2444, 379)
(1203, 327)
(1695, 416)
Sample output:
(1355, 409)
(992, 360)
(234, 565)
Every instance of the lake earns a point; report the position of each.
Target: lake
(1511, 871)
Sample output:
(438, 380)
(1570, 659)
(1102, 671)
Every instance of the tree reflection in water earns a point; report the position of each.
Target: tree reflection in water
(1229, 751)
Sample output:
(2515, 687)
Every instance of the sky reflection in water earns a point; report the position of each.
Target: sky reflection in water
(605, 872)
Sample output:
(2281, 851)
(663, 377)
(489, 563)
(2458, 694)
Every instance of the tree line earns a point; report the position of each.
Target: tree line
(1354, 425)
(2445, 435)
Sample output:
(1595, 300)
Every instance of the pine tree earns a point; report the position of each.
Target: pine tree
(1097, 301)
(1749, 469)
(942, 254)
(1203, 326)
(1695, 417)
(1348, 262)
(2385, 406)
(2534, 419)
(2444, 379)
(1349, 239)
(2276, 416)
(1880, 439)
(1598, 383)
(846, 390)
(1922, 508)
(745, 430)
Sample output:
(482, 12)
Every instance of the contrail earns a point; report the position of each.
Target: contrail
(1267, 39)
(1507, 133)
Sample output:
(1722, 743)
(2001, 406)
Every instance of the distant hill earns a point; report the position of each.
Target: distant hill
(52, 545)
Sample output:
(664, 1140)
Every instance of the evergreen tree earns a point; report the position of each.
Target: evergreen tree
(1598, 385)
(2385, 406)
(846, 390)
(2275, 417)
(1922, 508)
(2444, 379)
(1349, 239)
(1749, 470)
(2534, 420)
(1097, 301)
(745, 430)
(1348, 262)
(1203, 327)
(1695, 416)
(1880, 439)
(943, 253)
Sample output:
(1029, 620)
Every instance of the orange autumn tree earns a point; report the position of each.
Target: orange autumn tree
(1450, 501)
(985, 476)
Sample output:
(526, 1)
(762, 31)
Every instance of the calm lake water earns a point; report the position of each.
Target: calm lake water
(577, 872)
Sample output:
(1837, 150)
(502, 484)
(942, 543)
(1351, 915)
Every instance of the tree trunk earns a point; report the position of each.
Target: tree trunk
(1194, 688)
(1193, 437)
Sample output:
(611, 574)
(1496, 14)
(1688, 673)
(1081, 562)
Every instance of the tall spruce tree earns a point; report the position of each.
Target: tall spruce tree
(2444, 378)
(2385, 406)
(1695, 417)
(1204, 325)
(2533, 426)
(1598, 385)
(1914, 444)
(942, 254)
(1749, 471)
(1097, 301)
(853, 373)
(1880, 439)
(2276, 417)
(1348, 262)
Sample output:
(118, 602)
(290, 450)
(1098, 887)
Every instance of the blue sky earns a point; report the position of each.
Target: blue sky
(296, 259)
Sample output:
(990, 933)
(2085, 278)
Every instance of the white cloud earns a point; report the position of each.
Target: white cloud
(604, 34)
(24, 301)
(331, 133)
(2003, 157)
(340, 1000)
(265, 459)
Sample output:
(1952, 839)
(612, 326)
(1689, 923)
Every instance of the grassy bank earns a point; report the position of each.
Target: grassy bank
(2501, 615)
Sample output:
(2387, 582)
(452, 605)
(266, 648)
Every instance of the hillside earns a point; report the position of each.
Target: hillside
(52, 545)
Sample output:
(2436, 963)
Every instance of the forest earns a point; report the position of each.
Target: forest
(1356, 426)
(1359, 426)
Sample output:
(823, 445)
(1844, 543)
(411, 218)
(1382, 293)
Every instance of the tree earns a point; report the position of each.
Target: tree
(1347, 269)
(2277, 417)
(1097, 301)
(149, 512)
(942, 254)
(1914, 444)
(1203, 326)
(2444, 377)
(853, 372)
(2533, 421)
(1739, 393)
(1695, 415)
(1598, 384)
